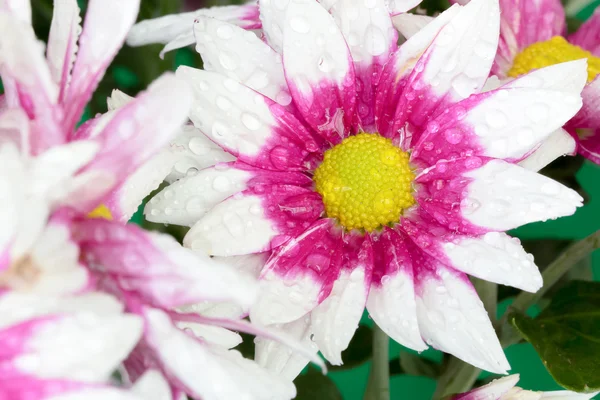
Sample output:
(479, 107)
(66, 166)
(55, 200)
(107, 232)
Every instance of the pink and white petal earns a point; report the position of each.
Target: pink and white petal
(194, 151)
(509, 196)
(62, 42)
(493, 390)
(395, 74)
(318, 69)
(277, 358)
(18, 8)
(494, 257)
(241, 55)
(14, 128)
(124, 201)
(141, 128)
(335, 320)
(255, 220)
(250, 126)
(106, 25)
(186, 201)
(559, 143)
(100, 393)
(159, 269)
(28, 82)
(371, 38)
(409, 24)
(391, 302)
(589, 144)
(456, 64)
(588, 34)
(152, 386)
(299, 275)
(83, 346)
(226, 374)
(508, 122)
(401, 6)
(589, 115)
(452, 318)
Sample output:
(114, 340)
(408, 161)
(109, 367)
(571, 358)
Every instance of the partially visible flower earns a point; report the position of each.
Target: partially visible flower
(367, 174)
(505, 389)
(533, 35)
(62, 240)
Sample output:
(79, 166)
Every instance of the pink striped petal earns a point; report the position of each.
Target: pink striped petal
(189, 199)
(394, 76)
(255, 220)
(254, 128)
(83, 346)
(277, 358)
(508, 122)
(299, 275)
(391, 301)
(157, 268)
(318, 69)
(106, 24)
(62, 42)
(588, 34)
(335, 320)
(451, 316)
(473, 195)
(140, 128)
(241, 55)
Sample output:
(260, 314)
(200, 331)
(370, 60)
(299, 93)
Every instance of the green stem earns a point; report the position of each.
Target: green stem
(458, 377)
(378, 386)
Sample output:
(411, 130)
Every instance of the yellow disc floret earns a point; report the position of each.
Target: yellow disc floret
(101, 212)
(365, 182)
(550, 52)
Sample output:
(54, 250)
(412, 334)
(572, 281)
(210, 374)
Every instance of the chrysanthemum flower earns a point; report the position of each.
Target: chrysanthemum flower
(533, 35)
(505, 389)
(370, 174)
(61, 246)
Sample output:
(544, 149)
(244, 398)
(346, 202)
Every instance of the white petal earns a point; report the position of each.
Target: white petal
(452, 319)
(558, 144)
(117, 99)
(241, 55)
(409, 24)
(272, 14)
(277, 358)
(335, 320)
(234, 227)
(98, 393)
(565, 395)
(152, 386)
(213, 334)
(186, 201)
(20, 9)
(62, 40)
(495, 257)
(160, 30)
(509, 196)
(493, 390)
(393, 307)
(400, 6)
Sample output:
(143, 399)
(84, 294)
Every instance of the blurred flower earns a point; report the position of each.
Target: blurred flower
(393, 218)
(504, 389)
(68, 269)
(532, 36)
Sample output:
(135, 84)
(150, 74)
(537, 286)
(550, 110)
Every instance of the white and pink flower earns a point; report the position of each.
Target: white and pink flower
(396, 224)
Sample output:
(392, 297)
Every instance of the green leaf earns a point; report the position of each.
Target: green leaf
(412, 364)
(566, 335)
(359, 350)
(314, 385)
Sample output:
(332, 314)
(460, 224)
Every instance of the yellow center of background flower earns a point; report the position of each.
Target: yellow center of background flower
(550, 52)
(365, 182)
(101, 212)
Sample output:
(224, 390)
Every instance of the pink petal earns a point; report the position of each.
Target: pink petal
(588, 34)
(186, 201)
(62, 42)
(589, 116)
(254, 128)
(241, 55)
(255, 220)
(106, 24)
(391, 301)
(452, 318)
(589, 146)
(371, 39)
(318, 69)
(141, 128)
(335, 320)
(506, 123)
(299, 275)
(158, 269)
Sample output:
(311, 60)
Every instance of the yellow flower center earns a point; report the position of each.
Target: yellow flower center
(101, 212)
(550, 52)
(365, 182)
